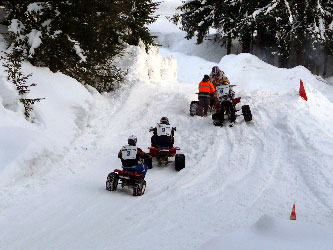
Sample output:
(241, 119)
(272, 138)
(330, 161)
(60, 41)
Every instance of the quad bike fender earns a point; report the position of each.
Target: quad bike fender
(169, 151)
(153, 151)
(173, 151)
(236, 100)
(128, 174)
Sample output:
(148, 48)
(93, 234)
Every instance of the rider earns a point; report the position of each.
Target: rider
(206, 89)
(217, 76)
(225, 95)
(133, 159)
(163, 134)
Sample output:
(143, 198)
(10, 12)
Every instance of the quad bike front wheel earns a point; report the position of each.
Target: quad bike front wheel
(246, 111)
(217, 119)
(112, 182)
(179, 162)
(139, 188)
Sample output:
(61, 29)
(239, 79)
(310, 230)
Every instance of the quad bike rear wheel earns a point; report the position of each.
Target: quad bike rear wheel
(194, 108)
(246, 111)
(217, 119)
(112, 182)
(179, 162)
(139, 188)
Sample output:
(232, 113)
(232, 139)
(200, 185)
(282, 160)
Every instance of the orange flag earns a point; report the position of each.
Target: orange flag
(302, 92)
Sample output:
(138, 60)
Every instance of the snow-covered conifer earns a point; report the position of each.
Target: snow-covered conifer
(80, 38)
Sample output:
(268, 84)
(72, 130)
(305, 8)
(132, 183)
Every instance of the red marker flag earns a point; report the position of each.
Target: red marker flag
(302, 92)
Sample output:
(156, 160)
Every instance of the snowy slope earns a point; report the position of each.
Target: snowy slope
(271, 233)
(233, 176)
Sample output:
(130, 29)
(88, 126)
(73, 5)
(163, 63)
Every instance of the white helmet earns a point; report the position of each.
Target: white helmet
(132, 140)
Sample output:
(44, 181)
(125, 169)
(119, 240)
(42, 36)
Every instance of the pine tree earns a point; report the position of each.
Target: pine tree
(301, 29)
(296, 31)
(197, 18)
(13, 68)
(80, 38)
(137, 14)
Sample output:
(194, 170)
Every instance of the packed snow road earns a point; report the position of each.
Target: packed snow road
(233, 176)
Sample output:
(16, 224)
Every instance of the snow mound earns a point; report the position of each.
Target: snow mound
(58, 120)
(248, 72)
(271, 233)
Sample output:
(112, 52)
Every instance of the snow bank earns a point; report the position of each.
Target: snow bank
(275, 234)
(258, 75)
(58, 119)
(32, 149)
(148, 67)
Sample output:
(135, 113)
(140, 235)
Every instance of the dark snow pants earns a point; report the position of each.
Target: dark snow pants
(203, 105)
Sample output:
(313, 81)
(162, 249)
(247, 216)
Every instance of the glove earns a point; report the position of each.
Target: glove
(151, 129)
(174, 129)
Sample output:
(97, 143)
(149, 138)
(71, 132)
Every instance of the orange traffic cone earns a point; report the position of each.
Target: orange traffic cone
(293, 213)
(302, 92)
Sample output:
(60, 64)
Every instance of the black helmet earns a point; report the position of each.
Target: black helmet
(132, 140)
(164, 120)
(215, 71)
(206, 78)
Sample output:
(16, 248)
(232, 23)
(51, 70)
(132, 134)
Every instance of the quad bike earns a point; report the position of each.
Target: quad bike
(226, 107)
(128, 179)
(194, 106)
(163, 153)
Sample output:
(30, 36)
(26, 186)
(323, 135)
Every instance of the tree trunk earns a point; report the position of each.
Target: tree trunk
(325, 61)
(258, 44)
(283, 61)
(229, 45)
(317, 62)
(246, 42)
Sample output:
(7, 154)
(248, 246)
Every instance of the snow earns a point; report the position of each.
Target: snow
(34, 40)
(77, 48)
(58, 120)
(330, 80)
(290, 14)
(239, 183)
(35, 7)
(15, 26)
(271, 233)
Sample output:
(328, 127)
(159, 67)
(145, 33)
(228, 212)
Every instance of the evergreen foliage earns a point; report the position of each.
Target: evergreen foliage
(13, 68)
(293, 30)
(80, 38)
(137, 14)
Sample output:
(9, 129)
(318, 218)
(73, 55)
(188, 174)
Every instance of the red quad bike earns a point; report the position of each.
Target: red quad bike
(226, 107)
(163, 153)
(128, 179)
